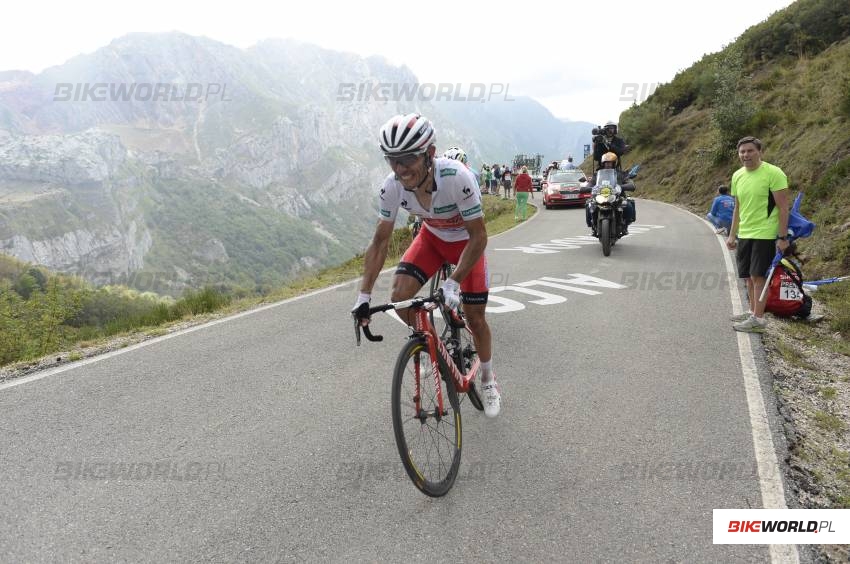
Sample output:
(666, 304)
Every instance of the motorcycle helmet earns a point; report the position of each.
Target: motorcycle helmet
(610, 128)
(609, 157)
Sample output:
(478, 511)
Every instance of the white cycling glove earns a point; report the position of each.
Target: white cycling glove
(362, 298)
(451, 293)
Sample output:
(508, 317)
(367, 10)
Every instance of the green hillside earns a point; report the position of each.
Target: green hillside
(42, 312)
(786, 81)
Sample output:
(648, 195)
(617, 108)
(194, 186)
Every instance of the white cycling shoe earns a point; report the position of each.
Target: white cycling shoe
(491, 397)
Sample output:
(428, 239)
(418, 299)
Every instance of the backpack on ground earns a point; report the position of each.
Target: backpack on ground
(785, 296)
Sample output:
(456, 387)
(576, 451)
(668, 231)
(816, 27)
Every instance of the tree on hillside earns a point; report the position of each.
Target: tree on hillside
(733, 106)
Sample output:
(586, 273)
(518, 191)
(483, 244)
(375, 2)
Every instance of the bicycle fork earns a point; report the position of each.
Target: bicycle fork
(439, 410)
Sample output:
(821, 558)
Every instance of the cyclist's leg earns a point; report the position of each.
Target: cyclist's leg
(477, 322)
(475, 290)
(419, 263)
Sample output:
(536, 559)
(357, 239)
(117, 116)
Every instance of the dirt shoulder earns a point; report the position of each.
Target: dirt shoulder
(811, 373)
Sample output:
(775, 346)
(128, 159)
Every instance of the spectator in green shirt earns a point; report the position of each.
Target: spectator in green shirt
(759, 225)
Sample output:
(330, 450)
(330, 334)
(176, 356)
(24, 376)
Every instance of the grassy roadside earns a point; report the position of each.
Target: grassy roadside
(120, 317)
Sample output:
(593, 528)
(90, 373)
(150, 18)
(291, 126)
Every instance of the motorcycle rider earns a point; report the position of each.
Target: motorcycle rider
(607, 141)
(609, 160)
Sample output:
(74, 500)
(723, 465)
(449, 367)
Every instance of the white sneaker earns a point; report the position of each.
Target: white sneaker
(751, 325)
(491, 396)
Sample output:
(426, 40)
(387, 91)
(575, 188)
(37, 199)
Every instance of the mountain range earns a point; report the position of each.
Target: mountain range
(167, 161)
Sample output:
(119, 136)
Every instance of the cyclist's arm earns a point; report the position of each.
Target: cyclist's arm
(473, 250)
(376, 254)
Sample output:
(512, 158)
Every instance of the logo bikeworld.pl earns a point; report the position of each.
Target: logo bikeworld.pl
(780, 527)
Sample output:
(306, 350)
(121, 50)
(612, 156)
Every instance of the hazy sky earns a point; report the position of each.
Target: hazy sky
(574, 59)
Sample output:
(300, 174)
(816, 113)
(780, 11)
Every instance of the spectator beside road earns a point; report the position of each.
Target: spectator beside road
(486, 176)
(506, 181)
(721, 211)
(759, 226)
(524, 187)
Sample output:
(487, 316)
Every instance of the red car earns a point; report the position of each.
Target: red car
(562, 187)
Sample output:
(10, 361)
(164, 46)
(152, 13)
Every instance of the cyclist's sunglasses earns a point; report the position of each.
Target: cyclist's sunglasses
(404, 160)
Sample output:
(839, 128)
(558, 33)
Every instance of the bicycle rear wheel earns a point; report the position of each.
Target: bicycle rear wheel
(429, 441)
(464, 356)
(464, 348)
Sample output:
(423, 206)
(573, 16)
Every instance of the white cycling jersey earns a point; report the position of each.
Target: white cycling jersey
(456, 199)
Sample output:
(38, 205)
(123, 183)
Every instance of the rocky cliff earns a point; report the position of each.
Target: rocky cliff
(196, 162)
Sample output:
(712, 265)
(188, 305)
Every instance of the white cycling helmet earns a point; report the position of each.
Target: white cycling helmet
(456, 154)
(407, 134)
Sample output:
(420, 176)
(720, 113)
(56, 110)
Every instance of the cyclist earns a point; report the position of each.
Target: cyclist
(458, 154)
(443, 192)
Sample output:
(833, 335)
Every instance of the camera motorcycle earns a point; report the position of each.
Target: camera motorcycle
(609, 209)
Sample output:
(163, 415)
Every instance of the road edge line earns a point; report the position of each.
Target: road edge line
(770, 476)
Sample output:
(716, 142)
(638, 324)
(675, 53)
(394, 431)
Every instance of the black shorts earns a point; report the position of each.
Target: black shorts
(754, 257)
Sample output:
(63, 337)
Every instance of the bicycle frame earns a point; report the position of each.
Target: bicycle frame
(440, 356)
(424, 329)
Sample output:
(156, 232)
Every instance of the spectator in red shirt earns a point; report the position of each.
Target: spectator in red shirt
(523, 187)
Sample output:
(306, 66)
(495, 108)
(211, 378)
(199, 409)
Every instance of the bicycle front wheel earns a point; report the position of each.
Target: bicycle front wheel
(428, 439)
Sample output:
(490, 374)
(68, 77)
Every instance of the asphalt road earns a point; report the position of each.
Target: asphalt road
(269, 438)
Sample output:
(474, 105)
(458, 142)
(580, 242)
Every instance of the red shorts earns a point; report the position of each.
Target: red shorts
(428, 252)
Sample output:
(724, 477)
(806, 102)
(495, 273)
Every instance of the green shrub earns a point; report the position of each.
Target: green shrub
(205, 300)
(733, 108)
(643, 124)
(33, 327)
(761, 122)
(806, 27)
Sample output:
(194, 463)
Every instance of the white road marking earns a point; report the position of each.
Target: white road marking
(587, 280)
(546, 297)
(508, 304)
(566, 243)
(559, 286)
(770, 477)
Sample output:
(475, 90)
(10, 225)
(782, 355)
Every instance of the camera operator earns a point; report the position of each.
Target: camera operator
(606, 140)
(610, 160)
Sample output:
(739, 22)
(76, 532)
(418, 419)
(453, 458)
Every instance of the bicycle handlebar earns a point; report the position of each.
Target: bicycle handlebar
(364, 313)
